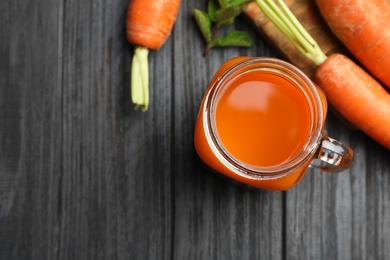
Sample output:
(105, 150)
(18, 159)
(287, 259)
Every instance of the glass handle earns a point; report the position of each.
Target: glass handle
(333, 156)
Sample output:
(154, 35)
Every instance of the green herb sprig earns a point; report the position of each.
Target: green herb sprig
(221, 13)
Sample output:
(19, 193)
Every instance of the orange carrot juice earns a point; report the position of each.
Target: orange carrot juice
(262, 119)
(259, 123)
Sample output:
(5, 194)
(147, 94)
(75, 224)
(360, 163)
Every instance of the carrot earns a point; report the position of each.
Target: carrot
(363, 27)
(148, 25)
(355, 94)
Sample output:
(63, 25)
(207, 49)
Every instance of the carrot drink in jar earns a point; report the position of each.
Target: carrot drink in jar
(261, 123)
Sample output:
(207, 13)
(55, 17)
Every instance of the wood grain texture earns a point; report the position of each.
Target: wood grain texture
(84, 176)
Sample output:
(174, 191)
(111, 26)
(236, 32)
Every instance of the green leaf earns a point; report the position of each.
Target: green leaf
(236, 2)
(212, 8)
(223, 3)
(226, 15)
(233, 38)
(204, 23)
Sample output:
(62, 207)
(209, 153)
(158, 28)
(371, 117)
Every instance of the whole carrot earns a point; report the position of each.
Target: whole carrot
(357, 96)
(148, 25)
(363, 26)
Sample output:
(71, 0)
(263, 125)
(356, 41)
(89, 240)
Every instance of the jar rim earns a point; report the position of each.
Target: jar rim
(312, 96)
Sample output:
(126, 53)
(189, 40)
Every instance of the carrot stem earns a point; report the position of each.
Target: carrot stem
(281, 16)
(140, 78)
(213, 36)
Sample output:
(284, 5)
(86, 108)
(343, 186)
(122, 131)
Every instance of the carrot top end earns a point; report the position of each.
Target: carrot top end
(140, 78)
(281, 16)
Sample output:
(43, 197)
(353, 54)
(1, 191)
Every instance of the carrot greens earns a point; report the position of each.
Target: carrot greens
(140, 78)
(281, 16)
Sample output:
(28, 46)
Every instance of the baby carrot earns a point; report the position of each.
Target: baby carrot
(363, 27)
(148, 25)
(357, 96)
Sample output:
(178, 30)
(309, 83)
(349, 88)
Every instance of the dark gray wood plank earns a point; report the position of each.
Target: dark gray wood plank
(84, 176)
(342, 216)
(28, 99)
(127, 158)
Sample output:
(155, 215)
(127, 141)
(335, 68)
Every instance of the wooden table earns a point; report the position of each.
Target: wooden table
(84, 176)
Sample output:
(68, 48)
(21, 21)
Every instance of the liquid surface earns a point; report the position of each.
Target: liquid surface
(262, 119)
